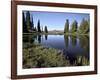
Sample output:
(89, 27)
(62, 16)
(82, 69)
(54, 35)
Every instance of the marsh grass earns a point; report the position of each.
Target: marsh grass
(43, 57)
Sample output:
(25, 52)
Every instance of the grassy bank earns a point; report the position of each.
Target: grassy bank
(37, 33)
(39, 56)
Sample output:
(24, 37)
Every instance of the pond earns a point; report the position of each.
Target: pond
(72, 46)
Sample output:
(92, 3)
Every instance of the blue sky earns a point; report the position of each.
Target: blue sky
(56, 20)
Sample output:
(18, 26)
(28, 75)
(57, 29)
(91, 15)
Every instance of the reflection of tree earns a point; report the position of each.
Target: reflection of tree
(29, 38)
(73, 40)
(25, 38)
(46, 37)
(66, 40)
(84, 42)
(33, 38)
(39, 38)
(81, 61)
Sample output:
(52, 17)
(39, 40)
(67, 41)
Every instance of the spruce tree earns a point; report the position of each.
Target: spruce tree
(84, 26)
(46, 30)
(28, 21)
(38, 26)
(74, 26)
(66, 29)
(32, 23)
(24, 23)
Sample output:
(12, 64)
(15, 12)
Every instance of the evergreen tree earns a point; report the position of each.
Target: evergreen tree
(66, 29)
(38, 26)
(32, 23)
(74, 27)
(84, 26)
(46, 30)
(24, 23)
(28, 21)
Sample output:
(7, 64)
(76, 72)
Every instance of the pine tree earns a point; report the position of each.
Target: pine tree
(24, 23)
(84, 26)
(38, 26)
(32, 23)
(66, 29)
(74, 26)
(28, 21)
(46, 30)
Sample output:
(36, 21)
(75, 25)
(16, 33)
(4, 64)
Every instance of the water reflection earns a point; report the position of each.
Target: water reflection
(66, 39)
(84, 42)
(73, 40)
(75, 48)
(46, 37)
(39, 38)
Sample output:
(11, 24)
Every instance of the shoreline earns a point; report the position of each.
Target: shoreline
(54, 34)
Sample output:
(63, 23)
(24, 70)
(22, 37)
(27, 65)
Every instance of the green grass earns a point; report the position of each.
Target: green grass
(54, 33)
(75, 33)
(37, 33)
(43, 57)
(39, 56)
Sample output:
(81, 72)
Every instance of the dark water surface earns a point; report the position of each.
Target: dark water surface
(71, 45)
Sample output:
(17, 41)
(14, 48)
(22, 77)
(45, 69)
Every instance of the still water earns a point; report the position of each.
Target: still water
(71, 45)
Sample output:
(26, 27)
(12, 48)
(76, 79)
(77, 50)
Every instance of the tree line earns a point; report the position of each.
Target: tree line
(28, 24)
(83, 28)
